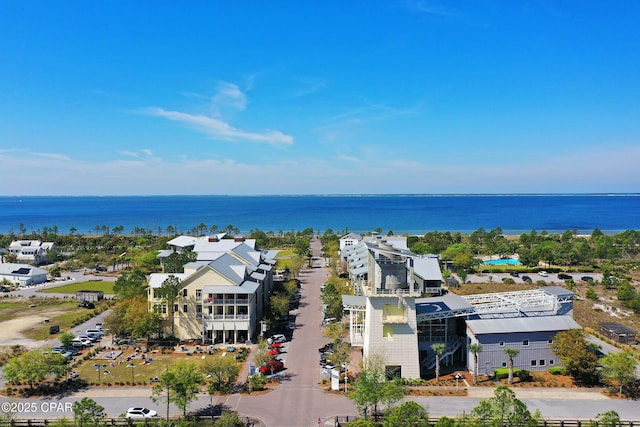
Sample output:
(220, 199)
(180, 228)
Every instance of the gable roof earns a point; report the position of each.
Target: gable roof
(156, 279)
(522, 324)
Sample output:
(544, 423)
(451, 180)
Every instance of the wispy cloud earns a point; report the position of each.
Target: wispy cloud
(230, 95)
(140, 154)
(227, 96)
(54, 156)
(432, 8)
(219, 129)
(310, 85)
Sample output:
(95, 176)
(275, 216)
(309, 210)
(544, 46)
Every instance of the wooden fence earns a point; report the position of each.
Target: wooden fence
(345, 420)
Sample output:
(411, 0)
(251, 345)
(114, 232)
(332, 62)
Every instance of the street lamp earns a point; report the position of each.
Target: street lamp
(99, 368)
(132, 366)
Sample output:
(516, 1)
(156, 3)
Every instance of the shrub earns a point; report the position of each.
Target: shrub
(556, 370)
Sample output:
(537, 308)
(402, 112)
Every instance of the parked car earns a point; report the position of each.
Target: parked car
(87, 304)
(140, 413)
(526, 279)
(94, 331)
(81, 342)
(272, 367)
(4, 289)
(276, 338)
(514, 274)
(564, 276)
(586, 279)
(543, 273)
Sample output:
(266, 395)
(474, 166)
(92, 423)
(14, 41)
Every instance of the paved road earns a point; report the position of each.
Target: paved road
(300, 399)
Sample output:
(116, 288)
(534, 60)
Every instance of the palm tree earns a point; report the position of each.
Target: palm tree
(511, 353)
(438, 349)
(475, 348)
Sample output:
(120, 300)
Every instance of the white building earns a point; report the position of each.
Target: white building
(399, 311)
(22, 274)
(31, 251)
(223, 293)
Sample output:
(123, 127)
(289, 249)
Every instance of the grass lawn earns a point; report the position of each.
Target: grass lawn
(106, 287)
(27, 315)
(119, 372)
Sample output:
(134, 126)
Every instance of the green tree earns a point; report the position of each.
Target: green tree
(34, 366)
(229, 419)
(169, 291)
(130, 285)
(222, 369)
(504, 409)
(391, 392)
(574, 352)
(511, 353)
(438, 349)
(475, 349)
(279, 304)
(175, 262)
(409, 414)
(179, 385)
(607, 419)
(87, 412)
(66, 338)
(619, 369)
(366, 392)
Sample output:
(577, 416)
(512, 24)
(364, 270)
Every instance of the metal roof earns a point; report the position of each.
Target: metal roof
(156, 279)
(427, 267)
(522, 324)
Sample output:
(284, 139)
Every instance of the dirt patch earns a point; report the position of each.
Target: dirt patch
(11, 331)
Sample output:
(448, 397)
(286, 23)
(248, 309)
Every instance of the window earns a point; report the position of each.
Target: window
(504, 364)
(550, 341)
(184, 292)
(198, 294)
(185, 308)
(533, 363)
(551, 362)
(542, 362)
(387, 331)
(501, 343)
(175, 308)
(525, 342)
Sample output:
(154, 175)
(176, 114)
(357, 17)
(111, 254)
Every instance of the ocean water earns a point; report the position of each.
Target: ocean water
(412, 214)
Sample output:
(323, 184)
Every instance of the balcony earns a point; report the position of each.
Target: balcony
(225, 301)
(223, 317)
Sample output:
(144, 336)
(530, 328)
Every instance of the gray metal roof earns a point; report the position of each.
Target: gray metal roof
(230, 268)
(449, 302)
(156, 279)
(428, 268)
(522, 324)
(246, 288)
(360, 270)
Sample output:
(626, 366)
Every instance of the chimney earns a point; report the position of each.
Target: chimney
(238, 239)
(213, 239)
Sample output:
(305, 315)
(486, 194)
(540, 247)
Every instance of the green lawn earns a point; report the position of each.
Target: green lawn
(121, 373)
(106, 287)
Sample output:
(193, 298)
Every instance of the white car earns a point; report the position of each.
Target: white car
(543, 273)
(140, 413)
(276, 338)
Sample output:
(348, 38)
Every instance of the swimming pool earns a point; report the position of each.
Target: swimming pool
(504, 261)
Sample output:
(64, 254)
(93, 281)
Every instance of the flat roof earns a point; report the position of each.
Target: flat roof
(522, 324)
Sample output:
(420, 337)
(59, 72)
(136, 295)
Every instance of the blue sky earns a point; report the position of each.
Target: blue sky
(316, 97)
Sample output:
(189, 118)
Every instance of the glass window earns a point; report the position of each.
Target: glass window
(542, 362)
(184, 292)
(501, 343)
(185, 308)
(533, 363)
(525, 342)
(387, 331)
